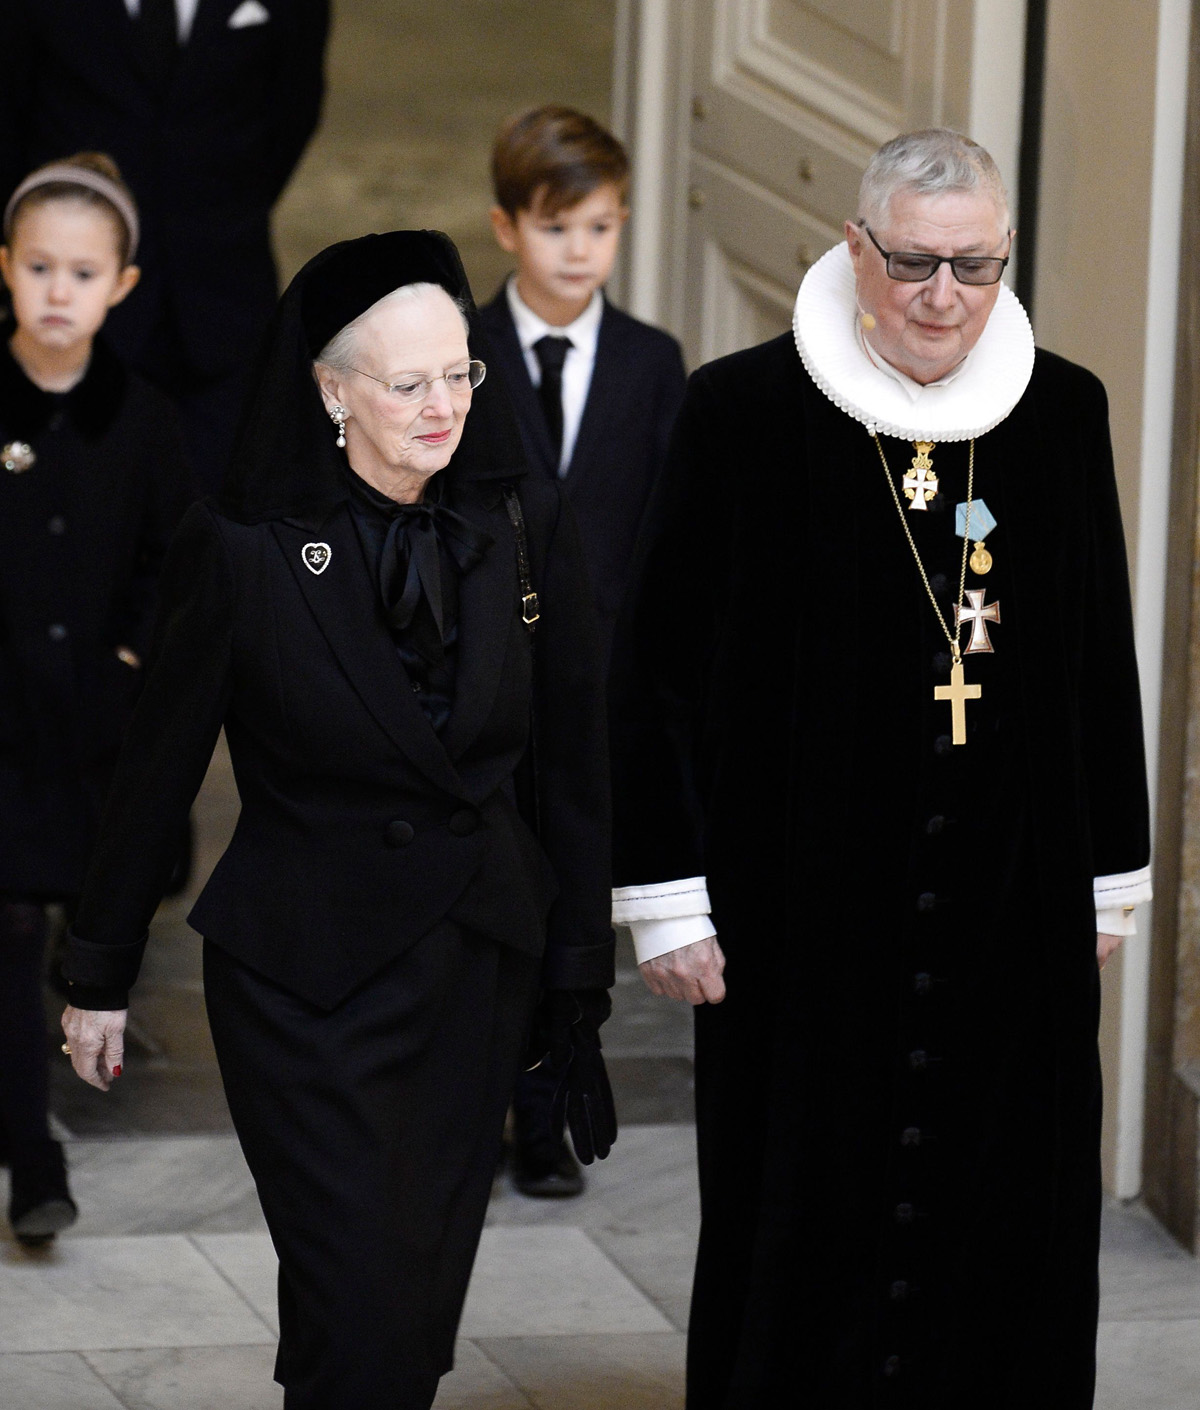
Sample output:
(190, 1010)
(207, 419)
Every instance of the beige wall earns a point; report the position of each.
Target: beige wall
(1093, 231)
(1092, 253)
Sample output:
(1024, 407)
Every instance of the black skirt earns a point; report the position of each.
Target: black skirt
(372, 1133)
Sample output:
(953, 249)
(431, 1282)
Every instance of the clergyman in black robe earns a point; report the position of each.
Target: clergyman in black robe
(914, 829)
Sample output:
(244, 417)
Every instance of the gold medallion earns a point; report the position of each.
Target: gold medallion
(981, 559)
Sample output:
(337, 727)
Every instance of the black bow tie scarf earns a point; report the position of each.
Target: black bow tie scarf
(410, 569)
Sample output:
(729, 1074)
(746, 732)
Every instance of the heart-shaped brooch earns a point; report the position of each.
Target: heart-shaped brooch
(316, 557)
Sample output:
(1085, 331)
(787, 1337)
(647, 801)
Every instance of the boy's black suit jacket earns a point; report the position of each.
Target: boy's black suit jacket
(207, 158)
(637, 388)
(360, 827)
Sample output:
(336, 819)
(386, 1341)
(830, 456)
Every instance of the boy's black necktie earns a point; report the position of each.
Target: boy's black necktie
(551, 354)
(156, 41)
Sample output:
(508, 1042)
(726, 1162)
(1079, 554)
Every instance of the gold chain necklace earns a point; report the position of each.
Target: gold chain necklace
(957, 693)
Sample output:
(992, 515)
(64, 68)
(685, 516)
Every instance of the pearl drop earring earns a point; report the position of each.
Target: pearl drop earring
(338, 417)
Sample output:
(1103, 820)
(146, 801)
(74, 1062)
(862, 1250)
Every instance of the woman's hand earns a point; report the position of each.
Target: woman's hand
(1106, 946)
(96, 1038)
(692, 973)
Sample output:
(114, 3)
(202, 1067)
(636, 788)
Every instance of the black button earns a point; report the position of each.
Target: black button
(910, 1136)
(918, 1060)
(58, 421)
(891, 1367)
(56, 632)
(417, 687)
(935, 825)
(57, 525)
(926, 902)
(941, 662)
(898, 1291)
(464, 822)
(904, 1213)
(922, 984)
(399, 833)
(939, 583)
(943, 745)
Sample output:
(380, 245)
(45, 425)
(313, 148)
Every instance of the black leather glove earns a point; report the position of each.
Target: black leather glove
(567, 1042)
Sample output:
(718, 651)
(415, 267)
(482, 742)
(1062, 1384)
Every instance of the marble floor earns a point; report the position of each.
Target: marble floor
(162, 1297)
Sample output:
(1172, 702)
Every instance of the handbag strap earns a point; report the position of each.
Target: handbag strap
(529, 615)
(529, 599)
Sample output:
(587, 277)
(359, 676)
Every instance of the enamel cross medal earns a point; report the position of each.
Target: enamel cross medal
(920, 484)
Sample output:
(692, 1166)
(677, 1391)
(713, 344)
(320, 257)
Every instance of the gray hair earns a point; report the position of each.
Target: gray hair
(932, 162)
(340, 352)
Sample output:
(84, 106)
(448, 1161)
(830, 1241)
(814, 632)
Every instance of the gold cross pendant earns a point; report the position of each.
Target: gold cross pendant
(920, 483)
(958, 693)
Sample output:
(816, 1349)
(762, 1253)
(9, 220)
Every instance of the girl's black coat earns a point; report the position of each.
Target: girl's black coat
(899, 1101)
(82, 539)
(360, 827)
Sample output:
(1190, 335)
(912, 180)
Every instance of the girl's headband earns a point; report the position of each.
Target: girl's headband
(70, 175)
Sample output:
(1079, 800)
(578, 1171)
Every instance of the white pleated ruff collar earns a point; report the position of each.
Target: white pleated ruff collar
(992, 381)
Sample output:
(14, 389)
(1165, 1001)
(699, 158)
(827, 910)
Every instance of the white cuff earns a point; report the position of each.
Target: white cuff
(660, 901)
(1126, 888)
(1115, 920)
(652, 938)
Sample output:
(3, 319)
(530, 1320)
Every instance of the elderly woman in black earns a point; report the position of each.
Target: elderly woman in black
(423, 842)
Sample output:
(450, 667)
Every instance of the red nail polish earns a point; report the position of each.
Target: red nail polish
(117, 1070)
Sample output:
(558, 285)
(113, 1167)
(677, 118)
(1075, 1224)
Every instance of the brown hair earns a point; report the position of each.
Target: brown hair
(555, 156)
(66, 190)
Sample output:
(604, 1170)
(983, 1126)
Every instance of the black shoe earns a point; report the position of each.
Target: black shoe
(544, 1171)
(40, 1203)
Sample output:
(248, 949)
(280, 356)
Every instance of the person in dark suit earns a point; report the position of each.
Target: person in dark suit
(408, 869)
(207, 106)
(596, 393)
(92, 486)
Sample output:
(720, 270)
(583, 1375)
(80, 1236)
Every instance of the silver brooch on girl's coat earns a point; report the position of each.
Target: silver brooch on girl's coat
(17, 457)
(316, 556)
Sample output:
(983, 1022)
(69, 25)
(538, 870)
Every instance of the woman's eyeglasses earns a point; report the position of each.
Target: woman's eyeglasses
(460, 381)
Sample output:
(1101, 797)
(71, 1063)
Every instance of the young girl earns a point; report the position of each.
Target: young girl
(92, 484)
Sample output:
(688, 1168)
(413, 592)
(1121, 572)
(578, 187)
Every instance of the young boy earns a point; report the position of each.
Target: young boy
(596, 393)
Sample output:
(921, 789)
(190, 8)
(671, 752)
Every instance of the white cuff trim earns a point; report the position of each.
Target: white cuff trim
(661, 901)
(1114, 920)
(1127, 888)
(652, 938)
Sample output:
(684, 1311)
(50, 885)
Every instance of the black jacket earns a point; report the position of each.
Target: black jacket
(636, 390)
(360, 827)
(83, 534)
(206, 160)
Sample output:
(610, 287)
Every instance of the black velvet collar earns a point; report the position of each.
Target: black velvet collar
(91, 405)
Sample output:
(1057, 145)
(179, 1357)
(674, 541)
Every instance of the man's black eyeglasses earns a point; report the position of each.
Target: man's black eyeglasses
(913, 268)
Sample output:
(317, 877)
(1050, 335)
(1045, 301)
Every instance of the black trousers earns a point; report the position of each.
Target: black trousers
(372, 1132)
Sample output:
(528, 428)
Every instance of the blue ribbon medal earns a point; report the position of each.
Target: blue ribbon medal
(983, 521)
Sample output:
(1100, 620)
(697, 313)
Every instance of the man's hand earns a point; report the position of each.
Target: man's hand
(96, 1038)
(693, 973)
(1107, 945)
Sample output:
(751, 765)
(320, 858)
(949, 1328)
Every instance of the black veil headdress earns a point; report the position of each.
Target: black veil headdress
(285, 462)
